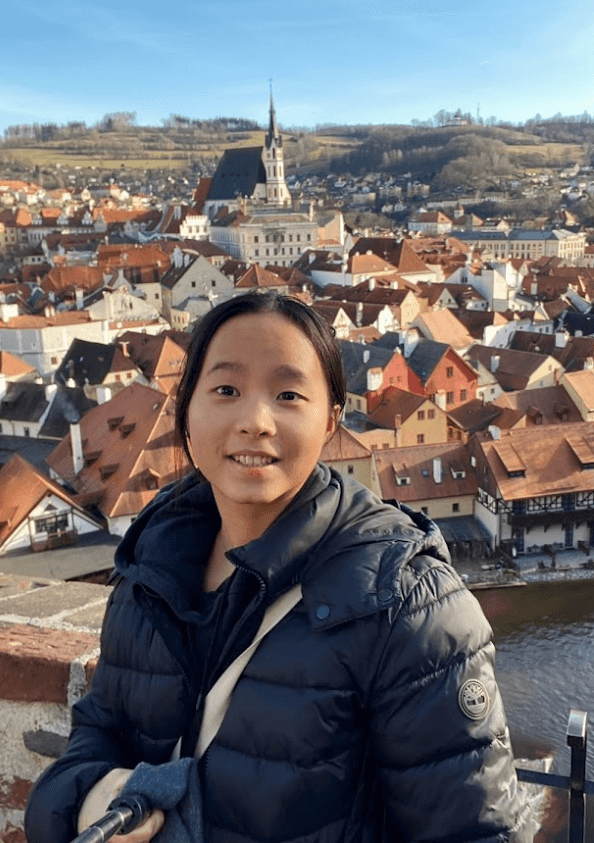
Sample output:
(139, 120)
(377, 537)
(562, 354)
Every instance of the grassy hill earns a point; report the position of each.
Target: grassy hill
(429, 154)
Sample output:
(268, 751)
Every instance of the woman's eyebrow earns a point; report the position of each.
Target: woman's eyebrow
(281, 372)
(286, 371)
(225, 365)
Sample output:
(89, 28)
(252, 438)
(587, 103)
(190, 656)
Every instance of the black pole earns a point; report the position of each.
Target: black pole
(124, 814)
(577, 739)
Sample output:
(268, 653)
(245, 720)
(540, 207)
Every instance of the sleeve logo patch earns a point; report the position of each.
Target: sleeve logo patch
(473, 699)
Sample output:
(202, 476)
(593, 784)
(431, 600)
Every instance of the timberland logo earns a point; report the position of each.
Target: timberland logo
(473, 699)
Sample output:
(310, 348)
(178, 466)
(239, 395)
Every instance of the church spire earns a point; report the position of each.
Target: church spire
(273, 134)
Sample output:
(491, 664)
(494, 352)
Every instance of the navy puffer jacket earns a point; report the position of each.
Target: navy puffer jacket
(370, 713)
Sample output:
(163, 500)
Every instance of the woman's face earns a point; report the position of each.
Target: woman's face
(260, 412)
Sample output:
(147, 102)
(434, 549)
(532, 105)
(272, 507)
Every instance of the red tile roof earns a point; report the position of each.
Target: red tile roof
(13, 367)
(129, 447)
(256, 276)
(23, 487)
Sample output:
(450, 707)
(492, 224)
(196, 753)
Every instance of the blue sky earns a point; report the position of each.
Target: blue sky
(334, 61)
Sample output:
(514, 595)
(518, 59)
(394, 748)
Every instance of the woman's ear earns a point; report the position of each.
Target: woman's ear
(333, 421)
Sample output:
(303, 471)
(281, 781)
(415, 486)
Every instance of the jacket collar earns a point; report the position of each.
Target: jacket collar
(342, 543)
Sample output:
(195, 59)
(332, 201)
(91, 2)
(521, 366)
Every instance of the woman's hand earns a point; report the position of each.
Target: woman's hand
(102, 793)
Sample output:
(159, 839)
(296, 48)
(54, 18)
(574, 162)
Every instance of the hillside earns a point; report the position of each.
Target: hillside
(465, 155)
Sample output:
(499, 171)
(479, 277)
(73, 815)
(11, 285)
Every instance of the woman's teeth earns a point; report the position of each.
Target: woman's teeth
(246, 459)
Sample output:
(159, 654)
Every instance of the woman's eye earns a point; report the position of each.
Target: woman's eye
(289, 396)
(226, 390)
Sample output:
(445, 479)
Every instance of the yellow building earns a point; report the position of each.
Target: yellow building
(415, 419)
(347, 454)
(435, 479)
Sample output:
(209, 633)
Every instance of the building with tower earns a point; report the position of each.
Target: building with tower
(254, 173)
(250, 207)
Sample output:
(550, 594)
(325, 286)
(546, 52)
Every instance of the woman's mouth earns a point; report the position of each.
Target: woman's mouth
(253, 460)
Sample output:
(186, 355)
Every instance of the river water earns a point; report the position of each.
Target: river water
(544, 636)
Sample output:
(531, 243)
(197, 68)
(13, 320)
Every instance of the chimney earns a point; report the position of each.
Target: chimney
(50, 391)
(397, 421)
(123, 344)
(495, 432)
(2, 386)
(366, 355)
(359, 313)
(440, 399)
(371, 283)
(495, 361)
(374, 378)
(437, 470)
(589, 363)
(103, 394)
(561, 338)
(79, 295)
(410, 340)
(77, 454)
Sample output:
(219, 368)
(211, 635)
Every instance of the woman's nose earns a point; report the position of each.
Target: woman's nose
(257, 419)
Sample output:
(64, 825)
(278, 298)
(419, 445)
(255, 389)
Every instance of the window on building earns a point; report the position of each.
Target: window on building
(118, 377)
(156, 295)
(449, 397)
(309, 236)
(455, 507)
(421, 415)
(350, 469)
(193, 283)
(463, 395)
(420, 438)
(213, 283)
(257, 253)
(430, 414)
(54, 361)
(26, 431)
(256, 239)
(425, 510)
(129, 375)
(450, 371)
(298, 238)
(52, 524)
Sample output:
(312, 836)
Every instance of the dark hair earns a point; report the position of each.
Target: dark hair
(318, 332)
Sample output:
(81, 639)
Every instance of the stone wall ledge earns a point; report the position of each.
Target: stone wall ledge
(49, 645)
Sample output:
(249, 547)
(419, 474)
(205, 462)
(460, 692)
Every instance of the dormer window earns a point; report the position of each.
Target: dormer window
(107, 470)
(403, 481)
(114, 422)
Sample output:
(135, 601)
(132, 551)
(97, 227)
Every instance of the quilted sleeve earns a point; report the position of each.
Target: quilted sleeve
(94, 748)
(438, 728)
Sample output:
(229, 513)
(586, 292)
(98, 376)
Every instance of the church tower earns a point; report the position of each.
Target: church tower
(277, 192)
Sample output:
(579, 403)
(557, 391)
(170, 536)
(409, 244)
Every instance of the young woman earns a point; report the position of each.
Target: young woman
(370, 713)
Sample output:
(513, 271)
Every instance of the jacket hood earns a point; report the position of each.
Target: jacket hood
(316, 540)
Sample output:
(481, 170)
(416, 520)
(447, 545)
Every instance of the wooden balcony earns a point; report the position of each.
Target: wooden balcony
(551, 518)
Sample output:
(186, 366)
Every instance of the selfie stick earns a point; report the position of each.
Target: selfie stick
(124, 814)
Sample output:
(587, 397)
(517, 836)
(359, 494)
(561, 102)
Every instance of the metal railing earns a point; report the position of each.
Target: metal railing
(576, 783)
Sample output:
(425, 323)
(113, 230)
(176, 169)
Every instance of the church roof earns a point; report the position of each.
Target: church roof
(238, 173)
